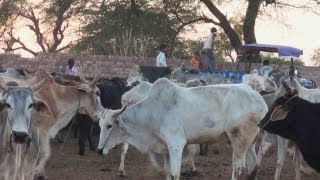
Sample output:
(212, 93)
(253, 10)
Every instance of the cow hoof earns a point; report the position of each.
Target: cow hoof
(41, 177)
(92, 148)
(81, 153)
(122, 174)
(189, 174)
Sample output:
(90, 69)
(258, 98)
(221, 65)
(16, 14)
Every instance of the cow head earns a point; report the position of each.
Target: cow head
(260, 83)
(90, 96)
(111, 130)
(19, 102)
(282, 106)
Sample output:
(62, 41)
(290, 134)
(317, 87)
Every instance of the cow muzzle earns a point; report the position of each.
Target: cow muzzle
(20, 137)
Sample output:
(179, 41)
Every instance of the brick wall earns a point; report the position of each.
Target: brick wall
(114, 65)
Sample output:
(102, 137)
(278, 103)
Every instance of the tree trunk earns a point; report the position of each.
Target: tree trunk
(250, 21)
(224, 24)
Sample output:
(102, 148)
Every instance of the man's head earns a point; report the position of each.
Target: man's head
(163, 47)
(71, 63)
(266, 62)
(213, 30)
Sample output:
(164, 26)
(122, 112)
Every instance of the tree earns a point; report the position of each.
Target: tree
(316, 57)
(149, 22)
(49, 21)
(8, 8)
(253, 9)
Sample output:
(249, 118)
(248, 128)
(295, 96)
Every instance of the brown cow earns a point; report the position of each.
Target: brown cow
(64, 103)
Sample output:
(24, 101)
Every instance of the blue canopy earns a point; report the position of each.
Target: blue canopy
(280, 49)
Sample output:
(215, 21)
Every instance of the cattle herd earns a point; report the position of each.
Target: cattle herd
(183, 111)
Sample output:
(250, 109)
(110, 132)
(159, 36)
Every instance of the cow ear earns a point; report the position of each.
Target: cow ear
(84, 87)
(279, 113)
(42, 108)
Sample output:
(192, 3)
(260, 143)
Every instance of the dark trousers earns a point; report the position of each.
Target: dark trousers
(212, 59)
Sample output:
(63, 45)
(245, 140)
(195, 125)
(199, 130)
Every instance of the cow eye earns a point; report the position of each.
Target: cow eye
(8, 105)
(30, 106)
(98, 93)
(109, 126)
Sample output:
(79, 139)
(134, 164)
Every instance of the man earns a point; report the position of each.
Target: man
(266, 68)
(161, 58)
(208, 47)
(71, 69)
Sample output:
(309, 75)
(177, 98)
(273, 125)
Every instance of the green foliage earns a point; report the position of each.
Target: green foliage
(121, 28)
(185, 48)
(108, 31)
(222, 47)
(8, 8)
(276, 60)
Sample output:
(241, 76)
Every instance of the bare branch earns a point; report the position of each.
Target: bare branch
(35, 27)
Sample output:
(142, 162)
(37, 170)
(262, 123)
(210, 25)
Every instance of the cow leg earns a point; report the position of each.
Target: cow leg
(154, 161)
(241, 138)
(192, 150)
(91, 144)
(281, 156)
(297, 162)
(175, 154)
(85, 126)
(124, 150)
(263, 147)
(44, 143)
(82, 134)
(251, 161)
(166, 166)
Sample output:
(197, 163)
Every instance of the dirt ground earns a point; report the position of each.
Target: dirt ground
(66, 164)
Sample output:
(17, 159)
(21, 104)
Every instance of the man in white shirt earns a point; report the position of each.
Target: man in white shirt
(208, 47)
(71, 69)
(161, 58)
(266, 68)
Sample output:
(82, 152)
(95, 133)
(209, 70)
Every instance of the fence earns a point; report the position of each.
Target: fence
(114, 65)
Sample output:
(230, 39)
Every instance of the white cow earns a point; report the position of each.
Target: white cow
(135, 95)
(19, 136)
(260, 83)
(312, 95)
(170, 117)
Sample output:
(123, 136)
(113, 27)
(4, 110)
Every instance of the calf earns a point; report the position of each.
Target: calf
(19, 136)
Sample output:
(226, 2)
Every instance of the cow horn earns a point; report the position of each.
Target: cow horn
(81, 76)
(37, 86)
(3, 86)
(96, 78)
(119, 111)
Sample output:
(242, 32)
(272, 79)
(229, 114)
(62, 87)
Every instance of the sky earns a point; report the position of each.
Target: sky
(301, 30)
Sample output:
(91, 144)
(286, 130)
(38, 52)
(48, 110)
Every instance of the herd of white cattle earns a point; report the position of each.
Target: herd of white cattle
(159, 118)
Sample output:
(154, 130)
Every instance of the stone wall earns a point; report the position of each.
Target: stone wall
(114, 65)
